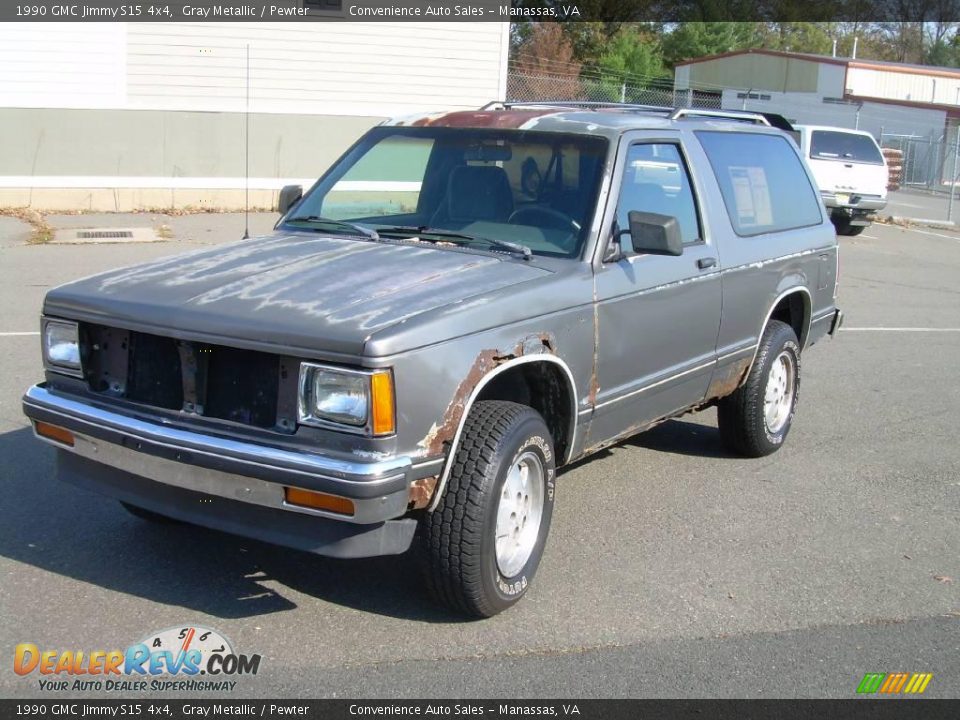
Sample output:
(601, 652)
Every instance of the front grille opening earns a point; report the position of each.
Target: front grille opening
(154, 372)
(242, 386)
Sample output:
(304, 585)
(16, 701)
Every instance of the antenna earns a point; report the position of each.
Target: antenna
(246, 159)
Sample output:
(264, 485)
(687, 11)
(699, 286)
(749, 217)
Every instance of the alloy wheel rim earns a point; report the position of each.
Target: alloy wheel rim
(778, 396)
(519, 513)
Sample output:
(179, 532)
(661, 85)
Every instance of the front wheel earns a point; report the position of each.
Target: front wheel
(755, 419)
(481, 546)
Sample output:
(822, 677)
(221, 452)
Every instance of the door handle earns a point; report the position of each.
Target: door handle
(707, 262)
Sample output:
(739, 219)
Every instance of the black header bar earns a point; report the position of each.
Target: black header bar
(612, 11)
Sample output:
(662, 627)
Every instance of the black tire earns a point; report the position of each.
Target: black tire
(456, 542)
(740, 416)
(851, 230)
(149, 515)
(843, 227)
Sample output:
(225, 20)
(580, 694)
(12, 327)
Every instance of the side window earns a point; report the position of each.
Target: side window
(656, 180)
(385, 181)
(762, 180)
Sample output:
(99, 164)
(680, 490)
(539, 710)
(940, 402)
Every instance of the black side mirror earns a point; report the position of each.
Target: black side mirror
(289, 196)
(655, 234)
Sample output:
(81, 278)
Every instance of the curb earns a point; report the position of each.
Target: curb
(926, 222)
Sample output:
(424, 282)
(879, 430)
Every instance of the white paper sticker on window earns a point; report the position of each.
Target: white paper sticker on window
(752, 196)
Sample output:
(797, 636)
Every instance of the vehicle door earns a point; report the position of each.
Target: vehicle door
(657, 315)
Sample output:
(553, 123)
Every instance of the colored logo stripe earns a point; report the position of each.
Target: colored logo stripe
(870, 683)
(894, 683)
(918, 683)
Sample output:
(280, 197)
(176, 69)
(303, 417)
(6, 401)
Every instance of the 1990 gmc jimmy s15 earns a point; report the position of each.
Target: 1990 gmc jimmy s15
(462, 304)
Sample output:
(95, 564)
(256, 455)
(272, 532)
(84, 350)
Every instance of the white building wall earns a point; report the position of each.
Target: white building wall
(903, 86)
(68, 65)
(359, 69)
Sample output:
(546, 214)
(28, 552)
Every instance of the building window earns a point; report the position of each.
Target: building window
(752, 96)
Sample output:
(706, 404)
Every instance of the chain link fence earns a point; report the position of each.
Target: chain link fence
(926, 162)
(925, 171)
(523, 87)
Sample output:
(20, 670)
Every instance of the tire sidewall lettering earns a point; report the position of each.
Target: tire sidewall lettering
(511, 587)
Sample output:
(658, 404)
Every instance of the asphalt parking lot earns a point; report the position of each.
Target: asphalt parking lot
(672, 568)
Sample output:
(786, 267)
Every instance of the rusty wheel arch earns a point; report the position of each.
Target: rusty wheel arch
(492, 366)
(804, 322)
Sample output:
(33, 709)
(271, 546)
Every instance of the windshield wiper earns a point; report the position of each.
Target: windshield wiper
(421, 230)
(343, 224)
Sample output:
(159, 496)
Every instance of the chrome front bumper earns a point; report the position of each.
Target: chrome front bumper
(230, 469)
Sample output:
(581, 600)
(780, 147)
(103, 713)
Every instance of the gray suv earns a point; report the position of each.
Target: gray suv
(464, 303)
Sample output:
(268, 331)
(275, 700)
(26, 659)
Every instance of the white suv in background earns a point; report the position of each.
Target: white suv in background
(850, 171)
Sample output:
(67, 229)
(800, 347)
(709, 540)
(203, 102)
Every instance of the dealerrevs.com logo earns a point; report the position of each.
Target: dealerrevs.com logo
(178, 659)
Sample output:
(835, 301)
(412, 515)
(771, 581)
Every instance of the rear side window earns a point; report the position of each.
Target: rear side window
(762, 180)
(849, 147)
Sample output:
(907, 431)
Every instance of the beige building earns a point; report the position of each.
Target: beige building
(893, 99)
(116, 116)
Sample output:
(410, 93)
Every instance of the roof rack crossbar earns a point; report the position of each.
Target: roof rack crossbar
(758, 118)
(577, 104)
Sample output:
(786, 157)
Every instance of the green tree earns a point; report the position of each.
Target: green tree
(630, 62)
(800, 37)
(698, 39)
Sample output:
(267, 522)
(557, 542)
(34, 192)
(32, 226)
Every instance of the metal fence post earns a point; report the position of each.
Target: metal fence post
(953, 178)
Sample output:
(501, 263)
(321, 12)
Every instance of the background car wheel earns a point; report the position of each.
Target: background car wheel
(843, 227)
(851, 230)
(755, 419)
(481, 546)
(149, 515)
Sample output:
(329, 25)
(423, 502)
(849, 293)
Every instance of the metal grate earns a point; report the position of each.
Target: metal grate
(103, 234)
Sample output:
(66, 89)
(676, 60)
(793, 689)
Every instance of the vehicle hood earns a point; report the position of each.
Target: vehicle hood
(301, 292)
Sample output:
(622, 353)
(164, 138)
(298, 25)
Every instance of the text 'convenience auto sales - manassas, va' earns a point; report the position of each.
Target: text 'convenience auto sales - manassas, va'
(168, 660)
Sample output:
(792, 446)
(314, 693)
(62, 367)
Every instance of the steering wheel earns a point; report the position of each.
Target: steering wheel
(553, 218)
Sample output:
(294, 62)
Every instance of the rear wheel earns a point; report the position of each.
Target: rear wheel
(481, 546)
(850, 230)
(843, 226)
(755, 419)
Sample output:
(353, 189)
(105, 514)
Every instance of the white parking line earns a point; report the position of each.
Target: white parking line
(19, 334)
(899, 329)
(939, 235)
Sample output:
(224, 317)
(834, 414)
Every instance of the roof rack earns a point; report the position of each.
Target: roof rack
(576, 105)
(758, 118)
(741, 115)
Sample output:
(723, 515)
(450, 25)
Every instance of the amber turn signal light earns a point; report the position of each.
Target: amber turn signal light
(383, 412)
(55, 433)
(318, 500)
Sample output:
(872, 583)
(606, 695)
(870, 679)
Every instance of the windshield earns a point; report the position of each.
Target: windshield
(499, 190)
(831, 145)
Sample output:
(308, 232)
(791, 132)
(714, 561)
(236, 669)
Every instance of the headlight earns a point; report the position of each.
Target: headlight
(61, 346)
(351, 399)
